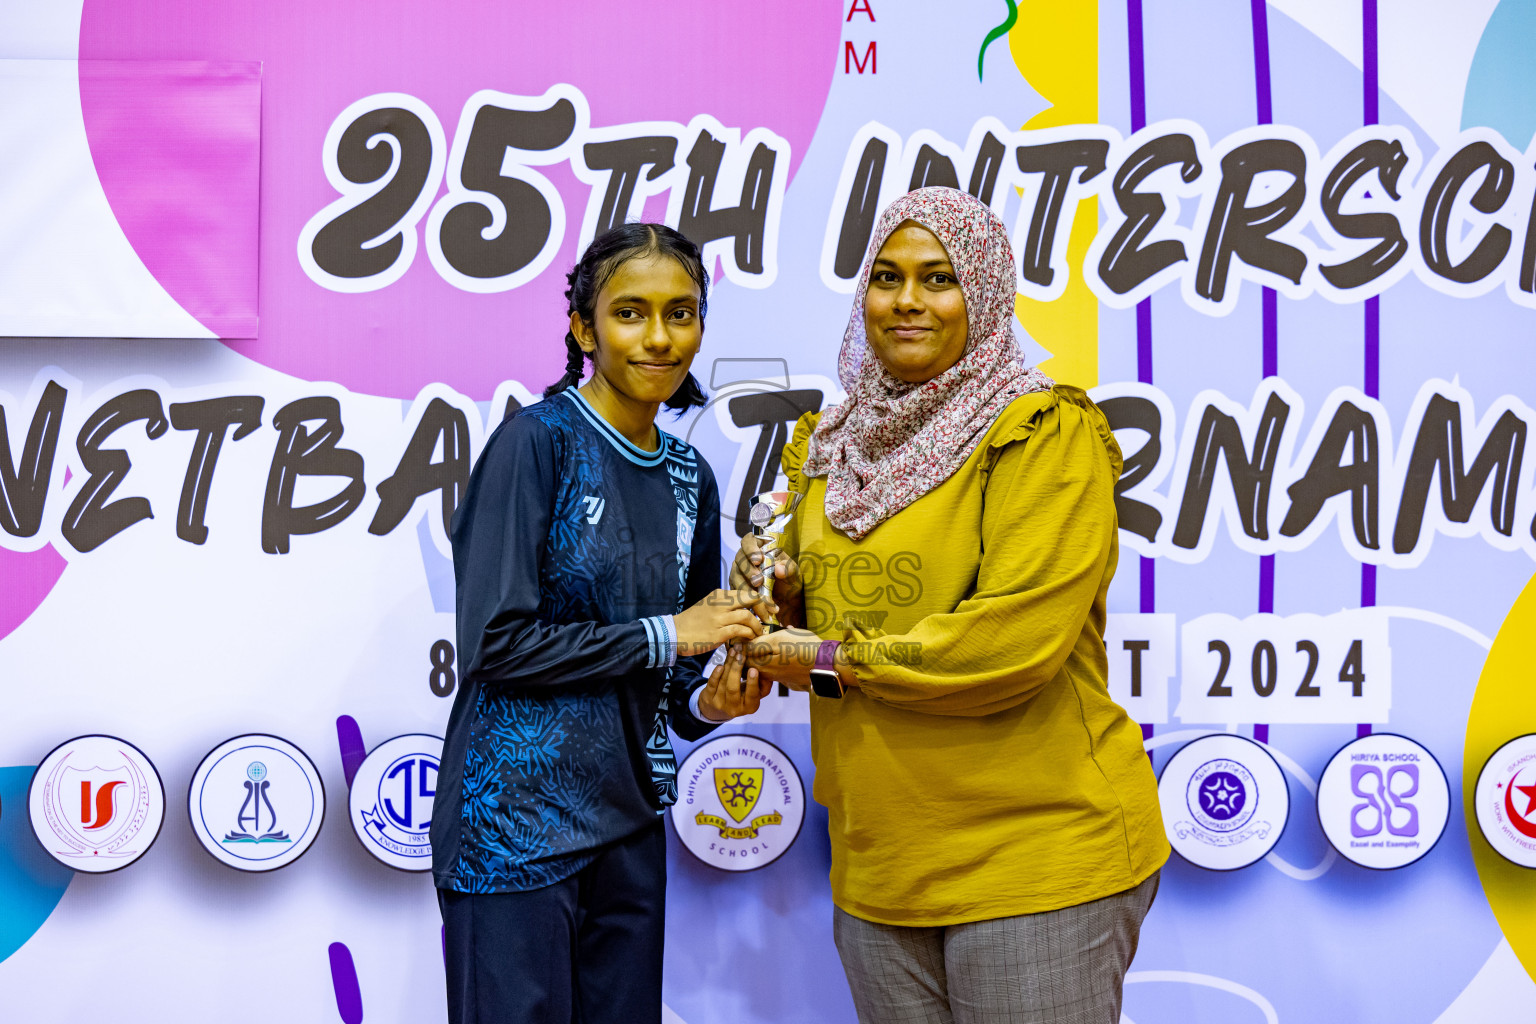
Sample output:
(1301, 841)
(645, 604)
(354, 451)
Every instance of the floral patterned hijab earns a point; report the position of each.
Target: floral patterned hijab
(891, 442)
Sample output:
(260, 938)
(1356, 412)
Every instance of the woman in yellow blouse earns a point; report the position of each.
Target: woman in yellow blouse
(994, 819)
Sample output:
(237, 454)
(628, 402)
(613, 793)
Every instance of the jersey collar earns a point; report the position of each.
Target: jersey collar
(634, 453)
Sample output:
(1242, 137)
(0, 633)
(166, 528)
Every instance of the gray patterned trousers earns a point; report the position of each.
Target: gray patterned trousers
(1060, 967)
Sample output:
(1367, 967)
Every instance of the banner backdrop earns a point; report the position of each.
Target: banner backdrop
(1290, 248)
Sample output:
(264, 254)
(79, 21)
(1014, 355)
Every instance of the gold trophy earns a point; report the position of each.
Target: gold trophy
(770, 513)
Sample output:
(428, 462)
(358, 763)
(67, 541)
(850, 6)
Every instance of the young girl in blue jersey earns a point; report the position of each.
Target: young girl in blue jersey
(586, 552)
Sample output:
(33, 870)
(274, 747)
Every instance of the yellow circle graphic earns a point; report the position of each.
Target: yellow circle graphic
(1503, 708)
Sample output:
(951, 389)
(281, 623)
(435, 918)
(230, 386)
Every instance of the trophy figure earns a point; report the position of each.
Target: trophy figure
(769, 514)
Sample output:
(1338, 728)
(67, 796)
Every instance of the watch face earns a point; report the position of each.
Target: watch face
(824, 683)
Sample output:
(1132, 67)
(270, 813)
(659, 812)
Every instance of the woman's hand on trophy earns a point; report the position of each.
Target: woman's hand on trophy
(788, 592)
(733, 689)
(722, 616)
(785, 656)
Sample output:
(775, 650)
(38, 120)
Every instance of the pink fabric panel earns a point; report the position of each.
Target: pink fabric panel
(177, 146)
(29, 577)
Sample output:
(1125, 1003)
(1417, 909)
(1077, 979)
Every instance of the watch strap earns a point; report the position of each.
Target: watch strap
(825, 681)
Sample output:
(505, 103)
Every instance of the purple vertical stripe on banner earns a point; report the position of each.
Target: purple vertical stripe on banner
(1138, 122)
(1370, 88)
(1138, 77)
(350, 739)
(1372, 304)
(1261, 59)
(1144, 341)
(1373, 346)
(1370, 113)
(1368, 61)
(1271, 358)
(1271, 330)
(349, 998)
(1138, 73)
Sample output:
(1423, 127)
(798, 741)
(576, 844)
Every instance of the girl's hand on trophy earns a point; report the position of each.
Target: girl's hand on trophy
(733, 689)
(722, 616)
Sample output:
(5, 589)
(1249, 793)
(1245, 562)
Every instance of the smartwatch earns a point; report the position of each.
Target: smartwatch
(824, 678)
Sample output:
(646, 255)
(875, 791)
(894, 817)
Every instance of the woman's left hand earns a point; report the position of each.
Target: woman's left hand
(787, 656)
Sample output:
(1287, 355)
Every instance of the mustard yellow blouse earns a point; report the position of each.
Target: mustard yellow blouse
(980, 770)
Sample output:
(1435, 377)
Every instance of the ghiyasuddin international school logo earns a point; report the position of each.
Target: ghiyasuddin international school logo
(1506, 801)
(96, 803)
(391, 800)
(1224, 802)
(740, 803)
(256, 803)
(738, 790)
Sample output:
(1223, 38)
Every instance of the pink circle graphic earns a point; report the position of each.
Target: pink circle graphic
(766, 64)
(29, 578)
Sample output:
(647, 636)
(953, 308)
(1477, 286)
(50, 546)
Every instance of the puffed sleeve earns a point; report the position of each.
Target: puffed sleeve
(499, 534)
(1048, 541)
(792, 459)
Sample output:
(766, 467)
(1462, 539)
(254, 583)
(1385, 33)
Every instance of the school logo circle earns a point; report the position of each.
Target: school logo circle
(256, 802)
(1383, 801)
(1218, 795)
(740, 803)
(1506, 801)
(1224, 802)
(390, 803)
(96, 803)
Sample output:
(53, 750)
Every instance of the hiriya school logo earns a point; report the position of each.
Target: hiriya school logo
(256, 802)
(391, 800)
(1224, 802)
(1383, 801)
(1506, 801)
(740, 803)
(96, 803)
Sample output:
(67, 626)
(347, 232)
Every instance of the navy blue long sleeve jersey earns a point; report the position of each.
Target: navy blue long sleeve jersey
(571, 549)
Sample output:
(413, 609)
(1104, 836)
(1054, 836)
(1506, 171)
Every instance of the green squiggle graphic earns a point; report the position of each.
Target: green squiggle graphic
(997, 33)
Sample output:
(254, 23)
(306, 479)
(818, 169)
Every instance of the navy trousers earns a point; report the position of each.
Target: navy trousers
(586, 950)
